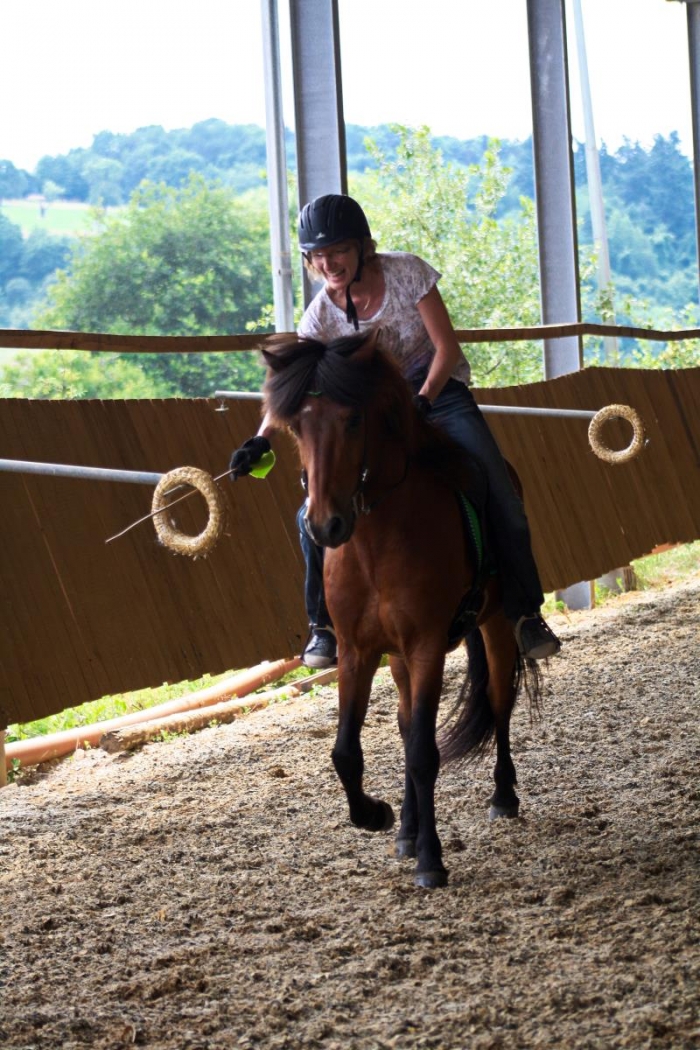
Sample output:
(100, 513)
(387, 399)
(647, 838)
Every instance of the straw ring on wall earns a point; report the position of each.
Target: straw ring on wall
(599, 420)
(168, 534)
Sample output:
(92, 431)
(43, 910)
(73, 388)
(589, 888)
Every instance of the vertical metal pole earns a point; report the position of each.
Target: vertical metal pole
(3, 760)
(280, 251)
(318, 103)
(621, 578)
(556, 203)
(693, 11)
(595, 182)
(554, 181)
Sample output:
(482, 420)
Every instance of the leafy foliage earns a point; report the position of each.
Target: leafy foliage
(420, 202)
(186, 255)
(68, 374)
(189, 261)
(24, 267)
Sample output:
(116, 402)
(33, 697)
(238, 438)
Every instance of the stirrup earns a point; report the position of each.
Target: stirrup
(535, 638)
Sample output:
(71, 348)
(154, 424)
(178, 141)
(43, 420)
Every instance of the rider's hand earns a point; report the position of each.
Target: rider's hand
(244, 458)
(423, 404)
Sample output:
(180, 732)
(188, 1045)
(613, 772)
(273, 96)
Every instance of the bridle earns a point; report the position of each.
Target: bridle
(358, 500)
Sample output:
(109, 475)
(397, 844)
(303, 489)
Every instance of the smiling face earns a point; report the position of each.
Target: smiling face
(336, 265)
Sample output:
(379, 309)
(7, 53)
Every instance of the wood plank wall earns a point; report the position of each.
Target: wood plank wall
(81, 618)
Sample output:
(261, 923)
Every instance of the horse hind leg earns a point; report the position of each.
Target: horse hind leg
(504, 801)
(485, 705)
(500, 654)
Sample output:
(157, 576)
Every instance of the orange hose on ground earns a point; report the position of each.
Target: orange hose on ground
(130, 737)
(41, 749)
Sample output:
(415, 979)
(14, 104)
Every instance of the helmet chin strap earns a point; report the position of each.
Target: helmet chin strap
(350, 308)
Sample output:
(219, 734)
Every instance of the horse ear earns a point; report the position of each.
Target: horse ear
(373, 337)
(366, 351)
(278, 352)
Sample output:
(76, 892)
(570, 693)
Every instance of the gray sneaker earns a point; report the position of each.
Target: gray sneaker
(321, 650)
(536, 640)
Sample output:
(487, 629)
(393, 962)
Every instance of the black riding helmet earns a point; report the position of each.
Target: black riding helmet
(329, 219)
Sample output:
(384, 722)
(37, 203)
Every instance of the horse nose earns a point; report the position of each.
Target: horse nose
(333, 532)
(337, 531)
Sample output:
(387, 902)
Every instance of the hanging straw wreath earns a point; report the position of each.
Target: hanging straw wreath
(599, 420)
(168, 534)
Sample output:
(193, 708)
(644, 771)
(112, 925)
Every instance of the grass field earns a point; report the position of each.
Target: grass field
(61, 217)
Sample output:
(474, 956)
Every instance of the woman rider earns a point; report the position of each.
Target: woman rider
(397, 292)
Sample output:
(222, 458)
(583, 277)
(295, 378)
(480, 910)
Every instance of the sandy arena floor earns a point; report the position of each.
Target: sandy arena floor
(209, 892)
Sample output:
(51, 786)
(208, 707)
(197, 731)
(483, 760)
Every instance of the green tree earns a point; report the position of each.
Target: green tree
(42, 254)
(104, 176)
(447, 214)
(13, 181)
(190, 261)
(11, 247)
(63, 374)
(174, 167)
(66, 172)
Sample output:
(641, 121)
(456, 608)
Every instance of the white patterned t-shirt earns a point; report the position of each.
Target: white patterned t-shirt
(407, 279)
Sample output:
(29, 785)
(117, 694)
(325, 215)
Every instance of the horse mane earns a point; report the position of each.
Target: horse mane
(300, 367)
(338, 370)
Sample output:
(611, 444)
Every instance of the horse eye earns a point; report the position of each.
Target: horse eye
(353, 422)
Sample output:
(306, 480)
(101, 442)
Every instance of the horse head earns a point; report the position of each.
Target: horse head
(337, 400)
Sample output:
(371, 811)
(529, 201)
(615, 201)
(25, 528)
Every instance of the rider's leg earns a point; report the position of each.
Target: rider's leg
(456, 411)
(320, 649)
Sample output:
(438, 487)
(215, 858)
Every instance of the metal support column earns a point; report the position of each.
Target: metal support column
(555, 200)
(280, 250)
(693, 12)
(554, 181)
(318, 102)
(595, 188)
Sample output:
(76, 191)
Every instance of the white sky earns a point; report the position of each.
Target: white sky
(74, 68)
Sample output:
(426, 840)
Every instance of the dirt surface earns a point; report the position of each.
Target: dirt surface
(209, 892)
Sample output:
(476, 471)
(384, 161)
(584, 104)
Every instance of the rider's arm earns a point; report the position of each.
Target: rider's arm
(447, 350)
(266, 429)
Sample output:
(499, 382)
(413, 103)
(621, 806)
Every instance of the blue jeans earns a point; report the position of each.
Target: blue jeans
(314, 597)
(457, 413)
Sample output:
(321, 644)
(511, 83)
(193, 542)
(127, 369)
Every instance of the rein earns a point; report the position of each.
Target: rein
(359, 505)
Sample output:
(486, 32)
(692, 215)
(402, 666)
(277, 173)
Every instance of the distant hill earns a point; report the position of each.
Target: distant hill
(649, 195)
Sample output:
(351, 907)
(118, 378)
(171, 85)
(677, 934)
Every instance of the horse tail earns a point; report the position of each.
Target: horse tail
(471, 733)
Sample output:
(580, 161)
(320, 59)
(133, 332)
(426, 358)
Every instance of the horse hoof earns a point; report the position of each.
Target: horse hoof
(405, 848)
(431, 880)
(503, 811)
(388, 817)
(385, 822)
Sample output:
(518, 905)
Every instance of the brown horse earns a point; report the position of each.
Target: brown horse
(381, 486)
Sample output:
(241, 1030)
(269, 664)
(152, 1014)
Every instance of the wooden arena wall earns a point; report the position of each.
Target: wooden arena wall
(82, 618)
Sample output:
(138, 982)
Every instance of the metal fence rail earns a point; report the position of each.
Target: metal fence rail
(64, 470)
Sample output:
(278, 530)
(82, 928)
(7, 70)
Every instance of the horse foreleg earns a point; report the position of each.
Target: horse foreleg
(423, 764)
(354, 685)
(408, 831)
(501, 656)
